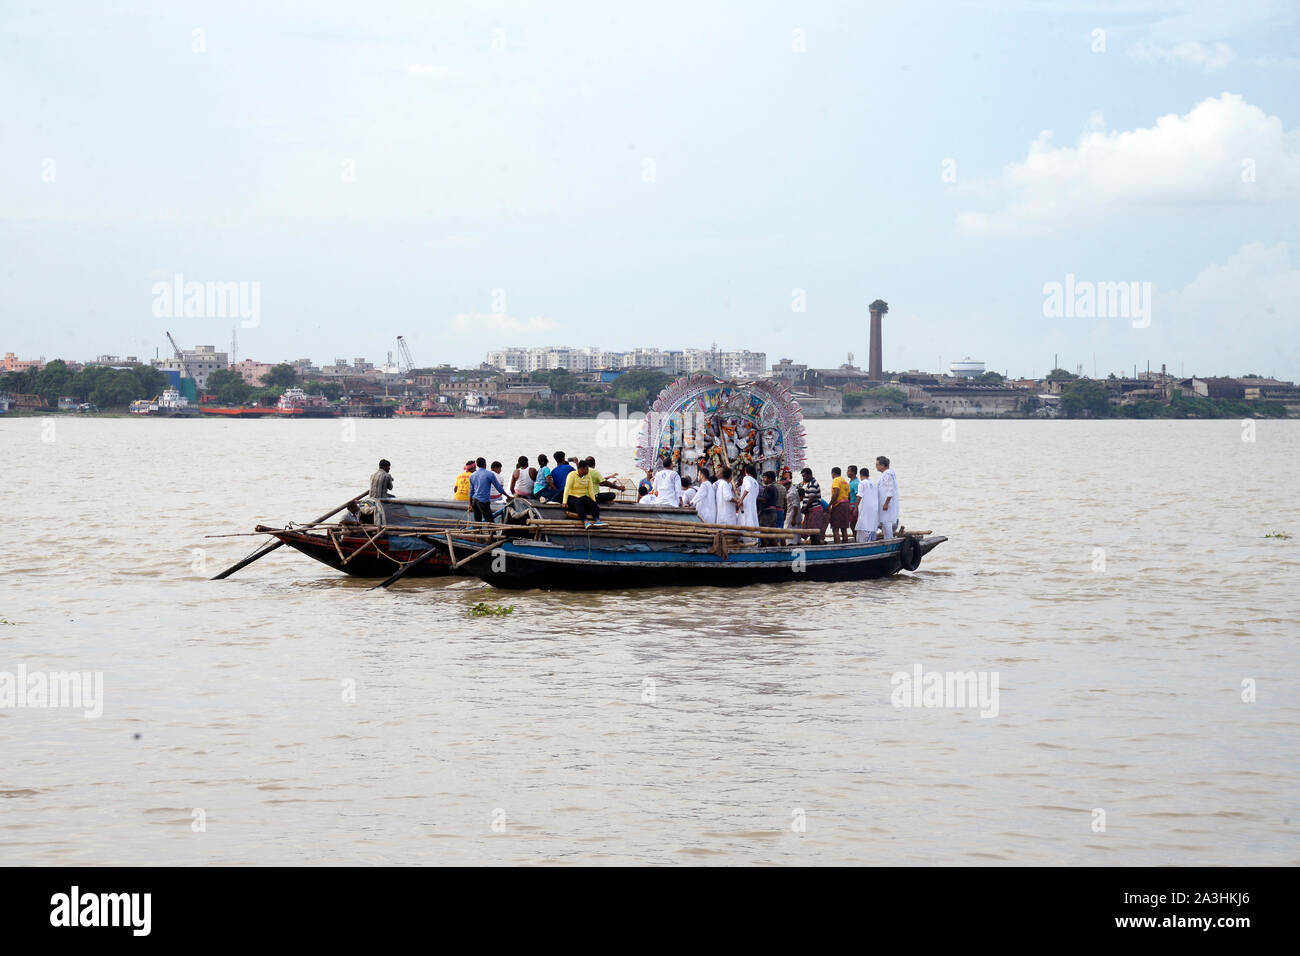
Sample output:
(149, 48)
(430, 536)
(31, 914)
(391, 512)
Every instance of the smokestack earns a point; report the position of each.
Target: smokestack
(875, 370)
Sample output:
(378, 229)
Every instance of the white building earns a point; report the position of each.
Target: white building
(967, 368)
(725, 364)
(199, 362)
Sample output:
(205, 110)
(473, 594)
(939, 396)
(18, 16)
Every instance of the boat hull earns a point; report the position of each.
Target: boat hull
(605, 565)
(363, 559)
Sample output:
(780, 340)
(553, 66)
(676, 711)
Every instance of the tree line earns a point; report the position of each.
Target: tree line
(99, 385)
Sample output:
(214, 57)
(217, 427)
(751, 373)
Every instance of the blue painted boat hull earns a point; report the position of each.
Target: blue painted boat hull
(539, 564)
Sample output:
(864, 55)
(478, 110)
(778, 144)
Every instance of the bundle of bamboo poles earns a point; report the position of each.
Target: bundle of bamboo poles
(668, 529)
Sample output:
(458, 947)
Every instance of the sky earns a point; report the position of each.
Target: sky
(476, 175)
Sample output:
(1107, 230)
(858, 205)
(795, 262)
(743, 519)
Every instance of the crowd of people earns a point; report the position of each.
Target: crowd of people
(862, 505)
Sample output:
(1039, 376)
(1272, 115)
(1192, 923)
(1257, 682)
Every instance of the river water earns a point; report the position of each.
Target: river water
(1114, 578)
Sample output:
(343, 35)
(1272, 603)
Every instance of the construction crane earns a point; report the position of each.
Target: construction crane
(180, 357)
(185, 371)
(408, 363)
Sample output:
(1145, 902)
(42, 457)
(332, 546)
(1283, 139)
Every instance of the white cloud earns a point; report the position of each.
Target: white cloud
(1209, 57)
(1224, 150)
(1237, 315)
(498, 323)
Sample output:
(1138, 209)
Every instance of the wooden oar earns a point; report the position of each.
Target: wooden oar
(268, 548)
(408, 566)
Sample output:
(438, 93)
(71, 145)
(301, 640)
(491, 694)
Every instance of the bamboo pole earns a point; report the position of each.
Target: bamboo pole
(373, 538)
(483, 550)
(335, 541)
(678, 527)
(668, 523)
(271, 546)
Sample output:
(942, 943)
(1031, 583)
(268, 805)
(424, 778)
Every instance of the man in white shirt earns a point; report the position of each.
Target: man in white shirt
(689, 491)
(726, 497)
(868, 508)
(706, 502)
(887, 494)
(668, 485)
(748, 504)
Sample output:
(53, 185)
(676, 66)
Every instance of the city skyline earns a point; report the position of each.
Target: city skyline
(165, 358)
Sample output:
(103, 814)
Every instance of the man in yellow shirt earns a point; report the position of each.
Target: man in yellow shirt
(461, 490)
(580, 489)
(841, 510)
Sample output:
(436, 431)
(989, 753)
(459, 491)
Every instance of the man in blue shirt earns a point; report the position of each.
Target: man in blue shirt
(559, 475)
(481, 484)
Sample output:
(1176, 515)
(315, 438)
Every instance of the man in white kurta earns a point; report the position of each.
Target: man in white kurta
(726, 496)
(706, 501)
(887, 495)
(868, 508)
(688, 493)
(749, 491)
(668, 485)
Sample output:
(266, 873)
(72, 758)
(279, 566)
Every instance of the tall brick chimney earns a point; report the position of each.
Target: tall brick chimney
(876, 368)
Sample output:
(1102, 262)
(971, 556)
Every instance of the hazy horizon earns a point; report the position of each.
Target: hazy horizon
(667, 177)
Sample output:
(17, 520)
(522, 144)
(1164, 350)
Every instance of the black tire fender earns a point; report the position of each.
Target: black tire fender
(910, 554)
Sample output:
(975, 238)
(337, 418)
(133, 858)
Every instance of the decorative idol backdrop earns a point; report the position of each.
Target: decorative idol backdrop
(700, 421)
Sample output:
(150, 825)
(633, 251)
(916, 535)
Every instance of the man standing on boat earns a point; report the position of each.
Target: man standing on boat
(481, 485)
(810, 497)
(786, 481)
(887, 492)
(668, 485)
(771, 502)
(868, 519)
(841, 517)
(726, 497)
(381, 482)
(460, 490)
(580, 490)
(747, 504)
(851, 473)
(706, 502)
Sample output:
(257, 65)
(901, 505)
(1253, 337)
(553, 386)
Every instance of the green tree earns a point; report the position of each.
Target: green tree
(152, 381)
(19, 383)
(54, 381)
(639, 387)
(115, 388)
(1084, 398)
(282, 375)
(228, 387)
(331, 390)
(989, 378)
(1061, 375)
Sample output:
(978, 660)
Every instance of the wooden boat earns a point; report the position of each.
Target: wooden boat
(361, 552)
(351, 549)
(581, 562)
(640, 546)
(533, 544)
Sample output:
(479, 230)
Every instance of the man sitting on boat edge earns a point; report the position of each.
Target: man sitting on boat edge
(580, 492)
